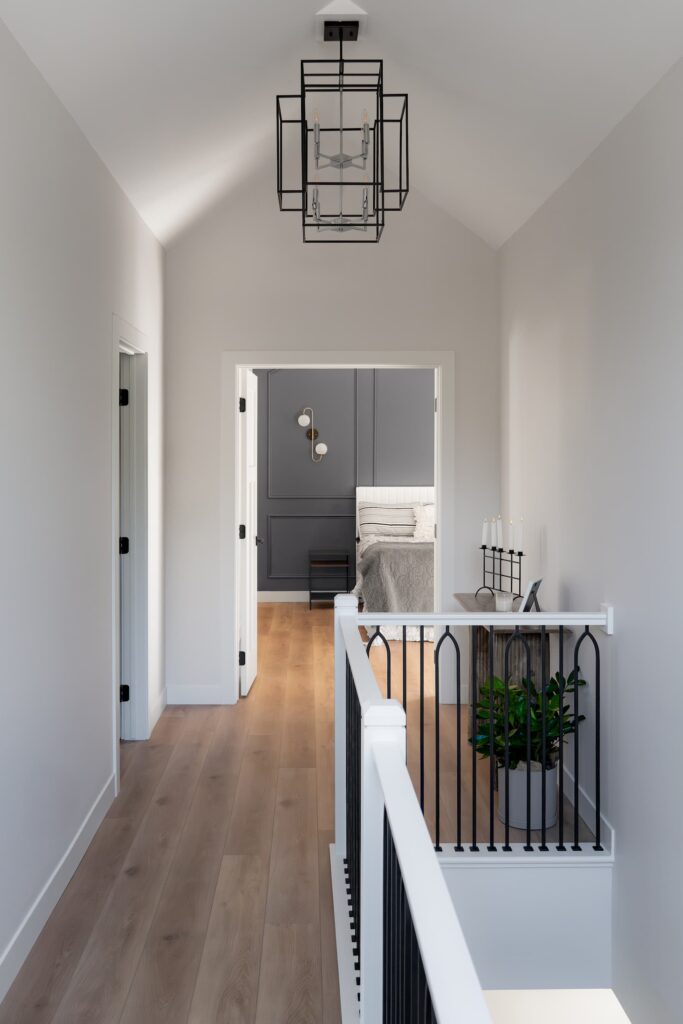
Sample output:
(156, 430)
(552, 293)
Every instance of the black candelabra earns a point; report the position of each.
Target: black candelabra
(501, 570)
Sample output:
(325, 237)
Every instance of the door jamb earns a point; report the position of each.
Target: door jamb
(128, 340)
(443, 364)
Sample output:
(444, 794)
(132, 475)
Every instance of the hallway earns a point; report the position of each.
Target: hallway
(205, 895)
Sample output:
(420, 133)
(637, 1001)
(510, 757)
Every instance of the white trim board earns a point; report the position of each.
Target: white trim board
(36, 918)
(283, 596)
(442, 362)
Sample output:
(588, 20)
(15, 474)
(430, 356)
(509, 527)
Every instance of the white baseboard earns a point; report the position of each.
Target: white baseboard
(30, 928)
(156, 707)
(196, 695)
(287, 596)
(587, 810)
(348, 986)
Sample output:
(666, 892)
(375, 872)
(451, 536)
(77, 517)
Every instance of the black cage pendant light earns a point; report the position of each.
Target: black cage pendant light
(342, 145)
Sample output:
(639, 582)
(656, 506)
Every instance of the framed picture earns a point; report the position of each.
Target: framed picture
(530, 599)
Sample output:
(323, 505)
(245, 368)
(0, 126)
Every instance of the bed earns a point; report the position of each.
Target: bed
(395, 550)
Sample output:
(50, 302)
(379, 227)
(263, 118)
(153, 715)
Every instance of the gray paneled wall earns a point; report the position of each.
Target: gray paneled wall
(379, 428)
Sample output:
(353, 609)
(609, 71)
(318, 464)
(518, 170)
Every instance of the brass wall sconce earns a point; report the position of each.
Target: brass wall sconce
(318, 448)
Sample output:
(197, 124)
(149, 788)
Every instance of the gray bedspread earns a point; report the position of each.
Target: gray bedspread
(398, 577)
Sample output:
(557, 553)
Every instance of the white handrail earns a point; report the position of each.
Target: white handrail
(528, 619)
(453, 984)
(366, 685)
(454, 987)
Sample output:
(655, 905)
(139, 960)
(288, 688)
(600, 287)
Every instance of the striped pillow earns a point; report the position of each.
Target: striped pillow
(386, 520)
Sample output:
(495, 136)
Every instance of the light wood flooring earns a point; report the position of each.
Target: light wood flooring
(205, 895)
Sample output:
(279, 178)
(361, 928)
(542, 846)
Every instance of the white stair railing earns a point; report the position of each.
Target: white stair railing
(413, 961)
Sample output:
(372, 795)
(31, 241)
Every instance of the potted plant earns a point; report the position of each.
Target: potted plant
(525, 704)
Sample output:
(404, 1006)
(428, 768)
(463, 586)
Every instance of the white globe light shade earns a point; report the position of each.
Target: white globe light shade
(321, 448)
(304, 420)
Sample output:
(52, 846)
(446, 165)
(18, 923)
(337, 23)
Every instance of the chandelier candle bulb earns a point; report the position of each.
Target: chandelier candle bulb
(499, 532)
(485, 533)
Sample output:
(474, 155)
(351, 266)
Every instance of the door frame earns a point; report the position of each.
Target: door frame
(443, 363)
(127, 340)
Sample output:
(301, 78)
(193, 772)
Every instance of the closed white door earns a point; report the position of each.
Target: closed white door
(248, 483)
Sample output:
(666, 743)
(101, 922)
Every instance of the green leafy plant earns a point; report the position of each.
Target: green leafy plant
(524, 700)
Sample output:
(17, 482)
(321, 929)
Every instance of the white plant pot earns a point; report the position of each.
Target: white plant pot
(517, 786)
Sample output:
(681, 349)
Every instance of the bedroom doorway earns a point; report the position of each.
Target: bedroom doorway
(297, 522)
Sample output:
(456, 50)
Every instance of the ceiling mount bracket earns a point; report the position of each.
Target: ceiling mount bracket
(341, 31)
(338, 13)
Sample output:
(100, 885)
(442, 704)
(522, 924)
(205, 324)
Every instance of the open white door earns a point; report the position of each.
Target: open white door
(248, 566)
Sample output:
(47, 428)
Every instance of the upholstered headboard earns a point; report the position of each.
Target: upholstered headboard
(392, 495)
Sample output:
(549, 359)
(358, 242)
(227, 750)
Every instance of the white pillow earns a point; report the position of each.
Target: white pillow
(386, 520)
(424, 523)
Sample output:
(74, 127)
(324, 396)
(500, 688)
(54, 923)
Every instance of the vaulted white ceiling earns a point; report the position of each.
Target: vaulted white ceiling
(507, 97)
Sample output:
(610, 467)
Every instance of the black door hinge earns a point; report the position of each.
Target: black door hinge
(123, 396)
(243, 532)
(243, 658)
(124, 545)
(124, 693)
(243, 405)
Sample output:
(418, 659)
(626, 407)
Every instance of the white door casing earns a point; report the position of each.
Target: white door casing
(130, 590)
(248, 504)
(451, 561)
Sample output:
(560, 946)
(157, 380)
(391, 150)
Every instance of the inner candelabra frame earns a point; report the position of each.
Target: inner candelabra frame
(342, 196)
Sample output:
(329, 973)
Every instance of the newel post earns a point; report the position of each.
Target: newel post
(383, 723)
(345, 606)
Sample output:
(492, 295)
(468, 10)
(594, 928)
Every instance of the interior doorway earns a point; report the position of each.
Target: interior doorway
(246, 425)
(131, 696)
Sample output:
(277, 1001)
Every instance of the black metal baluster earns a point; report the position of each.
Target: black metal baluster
(492, 752)
(544, 738)
(458, 763)
(422, 718)
(437, 752)
(353, 731)
(560, 845)
(379, 635)
(405, 668)
(447, 635)
(575, 845)
(386, 936)
(473, 730)
(598, 844)
(506, 730)
(596, 651)
(528, 847)
(405, 974)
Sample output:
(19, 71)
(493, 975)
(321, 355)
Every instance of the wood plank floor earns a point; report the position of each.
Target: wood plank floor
(205, 896)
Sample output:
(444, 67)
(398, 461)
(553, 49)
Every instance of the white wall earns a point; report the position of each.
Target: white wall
(241, 279)
(592, 312)
(72, 254)
(535, 924)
